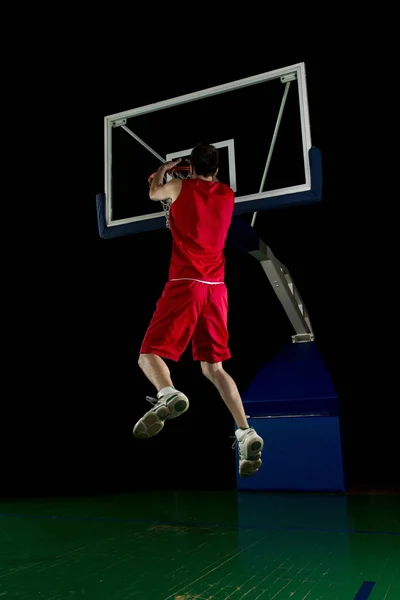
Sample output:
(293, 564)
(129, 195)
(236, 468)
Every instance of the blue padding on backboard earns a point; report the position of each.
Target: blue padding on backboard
(300, 454)
(238, 236)
(294, 382)
(115, 231)
(241, 235)
(308, 197)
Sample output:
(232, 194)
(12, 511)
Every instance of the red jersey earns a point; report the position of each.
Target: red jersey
(199, 220)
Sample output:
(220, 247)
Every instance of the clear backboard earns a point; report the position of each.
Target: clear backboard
(260, 125)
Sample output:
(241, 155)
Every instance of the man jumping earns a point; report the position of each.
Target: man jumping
(194, 302)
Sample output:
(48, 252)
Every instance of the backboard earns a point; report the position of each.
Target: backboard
(260, 125)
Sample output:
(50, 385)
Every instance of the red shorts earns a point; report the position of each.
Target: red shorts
(190, 310)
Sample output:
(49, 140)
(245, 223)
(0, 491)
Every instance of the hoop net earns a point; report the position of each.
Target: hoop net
(179, 172)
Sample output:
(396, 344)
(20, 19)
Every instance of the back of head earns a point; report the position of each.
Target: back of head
(204, 160)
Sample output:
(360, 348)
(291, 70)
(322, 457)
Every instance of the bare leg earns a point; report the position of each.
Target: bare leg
(228, 391)
(250, 444)
(169, 405)
(155, 370)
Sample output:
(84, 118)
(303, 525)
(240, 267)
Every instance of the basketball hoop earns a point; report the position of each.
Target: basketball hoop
(178, 172)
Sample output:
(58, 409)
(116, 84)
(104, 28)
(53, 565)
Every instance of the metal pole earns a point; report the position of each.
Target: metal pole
(143, 143)
(272, 146)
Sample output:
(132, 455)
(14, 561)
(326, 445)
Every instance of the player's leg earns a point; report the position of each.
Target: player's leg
(228, 391)
(210, 347)
(169, 403)
(167, 336)
(156, 371)
(249, 442)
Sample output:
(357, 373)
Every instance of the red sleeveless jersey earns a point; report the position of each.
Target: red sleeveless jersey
(199, 221)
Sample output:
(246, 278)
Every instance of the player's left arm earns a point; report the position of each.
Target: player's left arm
(160, 190)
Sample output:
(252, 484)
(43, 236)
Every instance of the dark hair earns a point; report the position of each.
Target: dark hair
(204, 159)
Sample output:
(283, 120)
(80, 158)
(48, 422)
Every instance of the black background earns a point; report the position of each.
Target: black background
(247, 115)
(79, 305)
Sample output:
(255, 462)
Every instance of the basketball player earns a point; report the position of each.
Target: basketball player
(194, 303)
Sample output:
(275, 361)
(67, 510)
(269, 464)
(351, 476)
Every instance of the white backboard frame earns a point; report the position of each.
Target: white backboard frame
(297, 70)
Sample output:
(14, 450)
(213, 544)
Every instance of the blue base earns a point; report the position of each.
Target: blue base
(300, 454)
(292, 403)
(294, 382)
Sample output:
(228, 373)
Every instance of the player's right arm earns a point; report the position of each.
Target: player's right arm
(162, 191)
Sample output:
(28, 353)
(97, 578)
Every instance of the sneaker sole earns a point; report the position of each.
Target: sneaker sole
(255, 447)
(177, 405)
(153, 421)
(249, 467)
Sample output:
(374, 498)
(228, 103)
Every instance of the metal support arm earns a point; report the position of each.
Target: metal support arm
(288, 295)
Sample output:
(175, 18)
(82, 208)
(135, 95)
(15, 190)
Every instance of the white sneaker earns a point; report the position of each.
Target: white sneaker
(250, 447)
(170, 406)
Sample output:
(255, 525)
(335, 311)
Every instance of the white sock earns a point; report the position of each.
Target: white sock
(166, 390)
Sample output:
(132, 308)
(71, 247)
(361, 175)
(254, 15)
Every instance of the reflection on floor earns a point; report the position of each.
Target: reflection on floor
(201, 545)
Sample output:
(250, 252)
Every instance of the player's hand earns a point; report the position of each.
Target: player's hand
(170, 164)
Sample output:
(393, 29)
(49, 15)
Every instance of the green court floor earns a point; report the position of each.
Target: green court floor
(201, 545)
